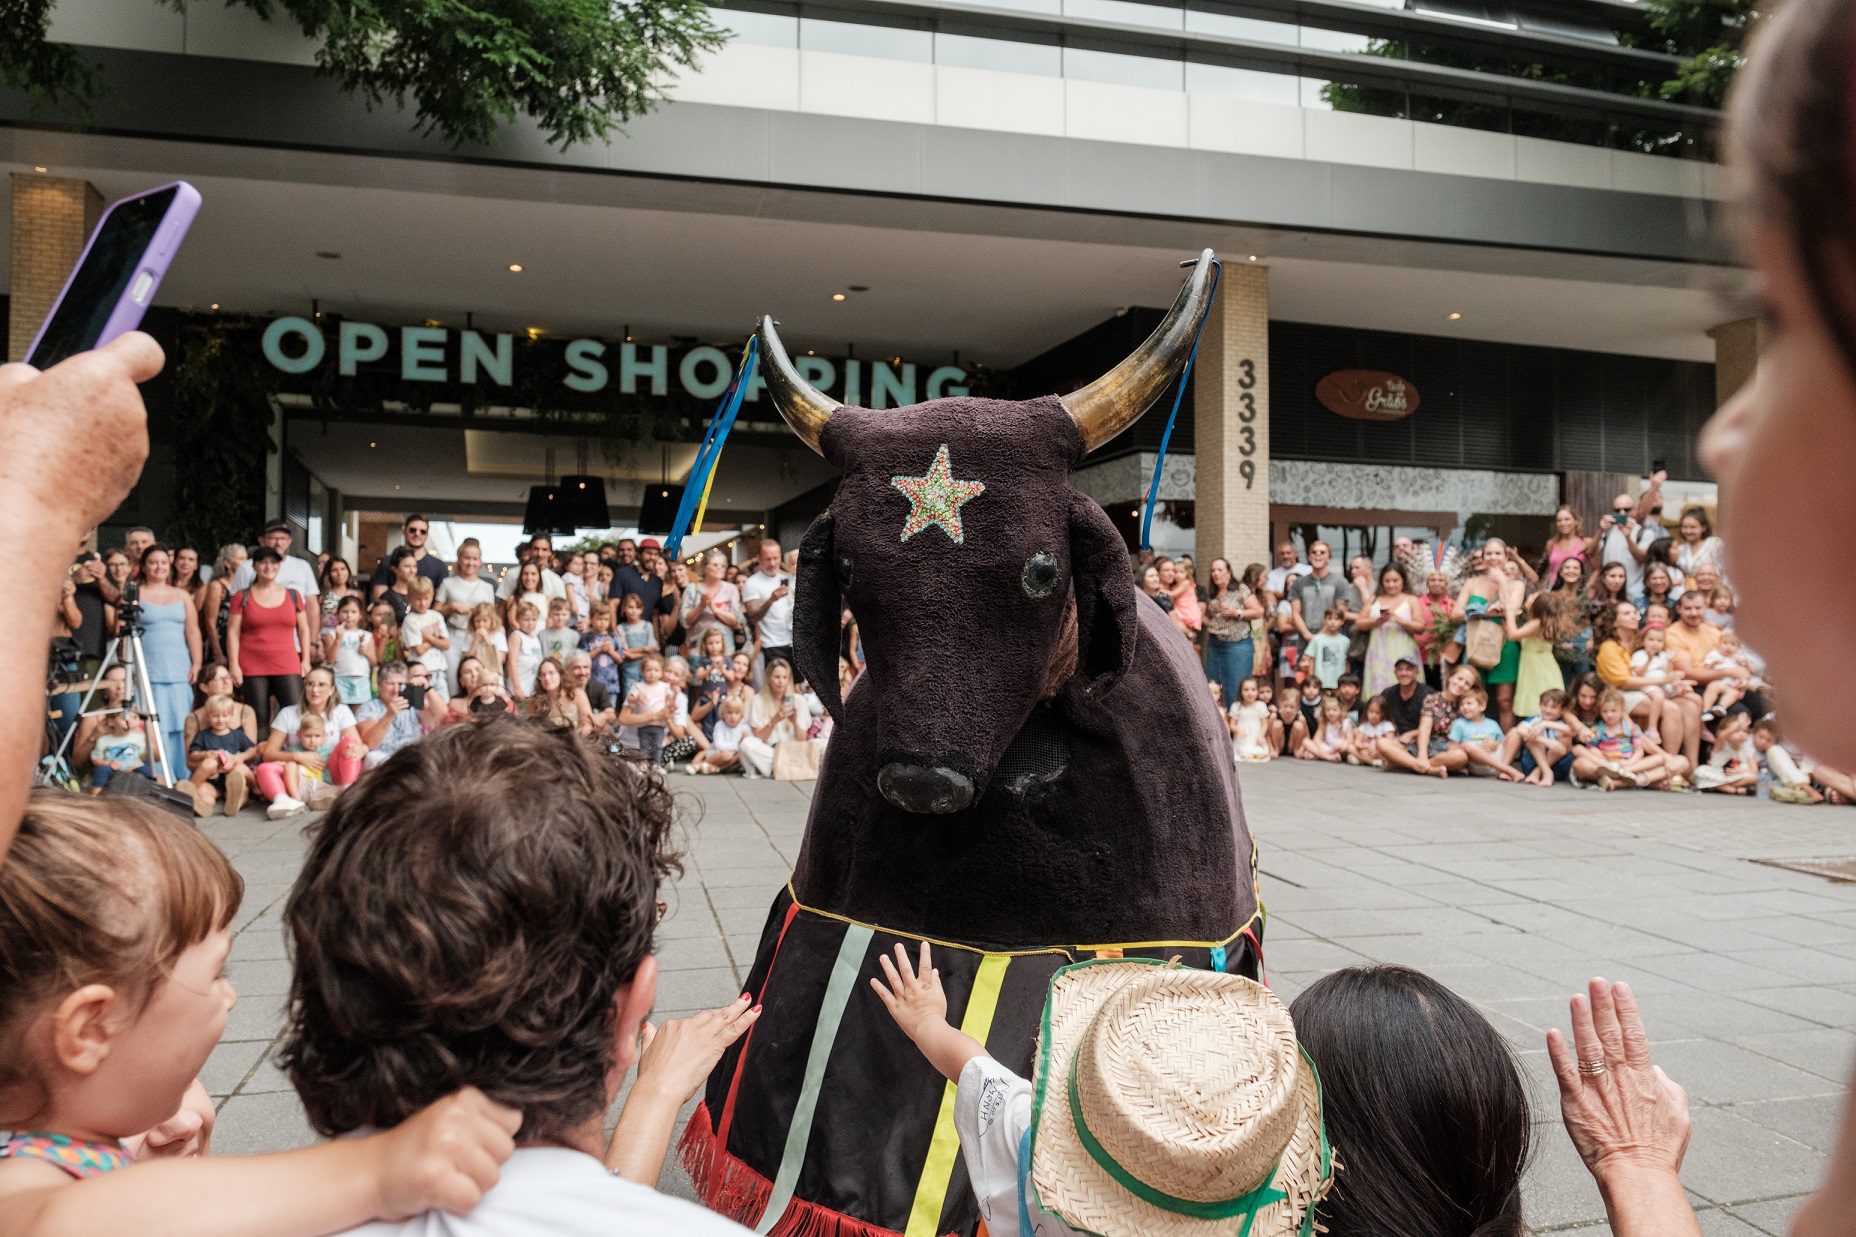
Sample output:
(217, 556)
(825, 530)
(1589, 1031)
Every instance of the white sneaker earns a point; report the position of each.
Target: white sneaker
(284, 805)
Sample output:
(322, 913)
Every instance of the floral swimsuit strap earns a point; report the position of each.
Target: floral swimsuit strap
(77, 1157)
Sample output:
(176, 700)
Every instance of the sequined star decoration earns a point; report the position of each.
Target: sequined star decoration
(936, 498)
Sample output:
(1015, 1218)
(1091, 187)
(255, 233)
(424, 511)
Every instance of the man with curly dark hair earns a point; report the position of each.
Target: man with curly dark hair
(479, 910)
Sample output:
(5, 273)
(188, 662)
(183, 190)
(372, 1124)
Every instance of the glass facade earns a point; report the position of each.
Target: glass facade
(1267, 71)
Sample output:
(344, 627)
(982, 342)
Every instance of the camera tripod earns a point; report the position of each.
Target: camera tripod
(138, 698)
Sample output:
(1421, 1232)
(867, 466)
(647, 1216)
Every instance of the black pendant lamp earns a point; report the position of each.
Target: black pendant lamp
(584, 497)
(662, 498)
(544, 511)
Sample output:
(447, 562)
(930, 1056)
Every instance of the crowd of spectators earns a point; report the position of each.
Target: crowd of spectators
(322, 671)
(1607, 660)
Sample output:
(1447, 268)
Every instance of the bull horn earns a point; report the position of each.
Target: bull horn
(1117, 399)
(805, 407)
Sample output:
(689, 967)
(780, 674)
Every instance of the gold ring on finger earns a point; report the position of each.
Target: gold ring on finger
(1592, 1069)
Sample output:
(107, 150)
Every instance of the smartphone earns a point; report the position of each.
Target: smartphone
(1656, 466)
(117, 274)
(415, 695)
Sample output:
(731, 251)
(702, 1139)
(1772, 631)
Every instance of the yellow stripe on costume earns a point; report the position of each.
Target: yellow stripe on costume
(938, 1167)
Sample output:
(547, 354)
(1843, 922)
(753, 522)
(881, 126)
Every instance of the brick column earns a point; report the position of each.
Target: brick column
(1231, 427)
(52, 218)
(1737, 346)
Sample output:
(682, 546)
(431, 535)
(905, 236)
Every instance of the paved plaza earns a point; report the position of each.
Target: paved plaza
(1513, 897)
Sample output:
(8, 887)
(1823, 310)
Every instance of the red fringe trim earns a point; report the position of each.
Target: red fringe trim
(728, 1186)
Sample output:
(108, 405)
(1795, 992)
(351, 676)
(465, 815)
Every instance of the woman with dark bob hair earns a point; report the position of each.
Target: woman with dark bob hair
(1424, 1105)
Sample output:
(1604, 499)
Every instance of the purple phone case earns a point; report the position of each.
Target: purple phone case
(127, 314)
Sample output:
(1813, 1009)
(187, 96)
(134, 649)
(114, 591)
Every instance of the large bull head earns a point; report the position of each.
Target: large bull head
(981, 582)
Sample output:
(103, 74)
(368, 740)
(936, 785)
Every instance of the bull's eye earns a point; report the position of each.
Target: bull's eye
(1040, 574)
(843, 564)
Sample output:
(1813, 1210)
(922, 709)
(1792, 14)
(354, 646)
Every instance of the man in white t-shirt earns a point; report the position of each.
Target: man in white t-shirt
(540, 551)
(516, 958)
(767, 599)
(293, 572)
(1288, 566)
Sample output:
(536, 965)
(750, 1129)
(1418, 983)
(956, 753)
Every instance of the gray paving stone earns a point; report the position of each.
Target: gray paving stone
(1811, 1120)
(259, 977)
(228, 1065)
(1732, 1159)
(1773, 1217)
(1824, 1051)
(257, 1017)
(1718, 1073)
(255, 1124)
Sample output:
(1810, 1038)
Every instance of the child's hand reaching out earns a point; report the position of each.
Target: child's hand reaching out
(913, 998)
(446, 1155)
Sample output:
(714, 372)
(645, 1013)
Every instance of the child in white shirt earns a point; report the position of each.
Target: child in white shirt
(1733, 769)
(651, 697)
(724, 752)
(525, 655)
(1249, 724)
(1371, 728)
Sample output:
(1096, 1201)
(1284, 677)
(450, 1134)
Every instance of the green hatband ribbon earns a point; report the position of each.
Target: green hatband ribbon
(1246, 1205)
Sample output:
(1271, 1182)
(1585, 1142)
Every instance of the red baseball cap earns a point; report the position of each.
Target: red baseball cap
(650, 543)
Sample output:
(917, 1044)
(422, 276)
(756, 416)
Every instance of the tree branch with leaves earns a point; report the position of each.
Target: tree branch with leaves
(579, 68)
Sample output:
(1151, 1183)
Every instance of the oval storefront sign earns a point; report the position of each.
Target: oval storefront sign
(1367, 395)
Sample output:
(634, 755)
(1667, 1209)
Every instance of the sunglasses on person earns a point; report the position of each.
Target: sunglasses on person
(417, 532)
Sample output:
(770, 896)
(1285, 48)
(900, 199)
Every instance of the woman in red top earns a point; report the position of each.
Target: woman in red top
(268, 638)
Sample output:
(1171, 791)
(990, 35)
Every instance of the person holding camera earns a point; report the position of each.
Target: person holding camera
(767, 597)
(406, 708)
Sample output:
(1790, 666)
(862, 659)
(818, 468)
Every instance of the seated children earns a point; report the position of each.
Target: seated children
(1479, 737)
(1733, 767)
(490, 697)
(1543, 743)
(724, 751)
(1333, 735)
(1249, 722)
(1720, 611)
(1724, 693)
(1373, 726)
(1309, 700)
(1288, 728)
(1651, 662)
(220, 762)
(121, 747)
(316, 788)
(386, 633)
(1615, 752)
(1349, 693)
(118, 923)
(1778, 770)
(1243, 1124)
(515, 957)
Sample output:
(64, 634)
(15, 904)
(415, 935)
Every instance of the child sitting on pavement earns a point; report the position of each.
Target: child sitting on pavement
(1543, 743)
(724, 750)
(1733, 767)
(1615, 752)
(1479, 737)
(1778, 770)
(117, 920)
(220, 762)
(1333, 736)
(1101, 1145)
(1373, 727)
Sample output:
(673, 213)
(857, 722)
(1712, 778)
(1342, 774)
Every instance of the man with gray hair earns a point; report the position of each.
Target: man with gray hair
(406, 708)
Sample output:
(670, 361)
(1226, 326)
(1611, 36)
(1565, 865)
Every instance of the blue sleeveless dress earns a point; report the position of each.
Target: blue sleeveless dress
(164, 643)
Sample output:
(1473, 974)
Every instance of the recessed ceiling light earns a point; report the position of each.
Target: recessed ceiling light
(811, 352)
(515, 268)
(1252, 258)
(534, 332)
(330, 254)
(215, 305)
(40, 167)
(373, 444)
(837, 296)
(1454, 315)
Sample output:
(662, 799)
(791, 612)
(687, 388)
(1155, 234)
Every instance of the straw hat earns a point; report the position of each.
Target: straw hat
(1174, 1103)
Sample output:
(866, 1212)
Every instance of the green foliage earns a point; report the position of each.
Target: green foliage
(222, 399)
(579, 68)
(51, 73)
(1706, 33)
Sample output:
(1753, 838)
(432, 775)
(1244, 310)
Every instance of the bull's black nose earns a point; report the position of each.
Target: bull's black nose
(923, 788)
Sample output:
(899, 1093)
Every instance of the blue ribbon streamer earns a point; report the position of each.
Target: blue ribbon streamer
(709, 454)
(1153, 490)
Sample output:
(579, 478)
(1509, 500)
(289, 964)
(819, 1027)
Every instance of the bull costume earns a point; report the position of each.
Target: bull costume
(1029, 773)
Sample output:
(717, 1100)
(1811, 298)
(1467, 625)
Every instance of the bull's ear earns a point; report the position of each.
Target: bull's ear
(817, 606)
(1107, 625)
